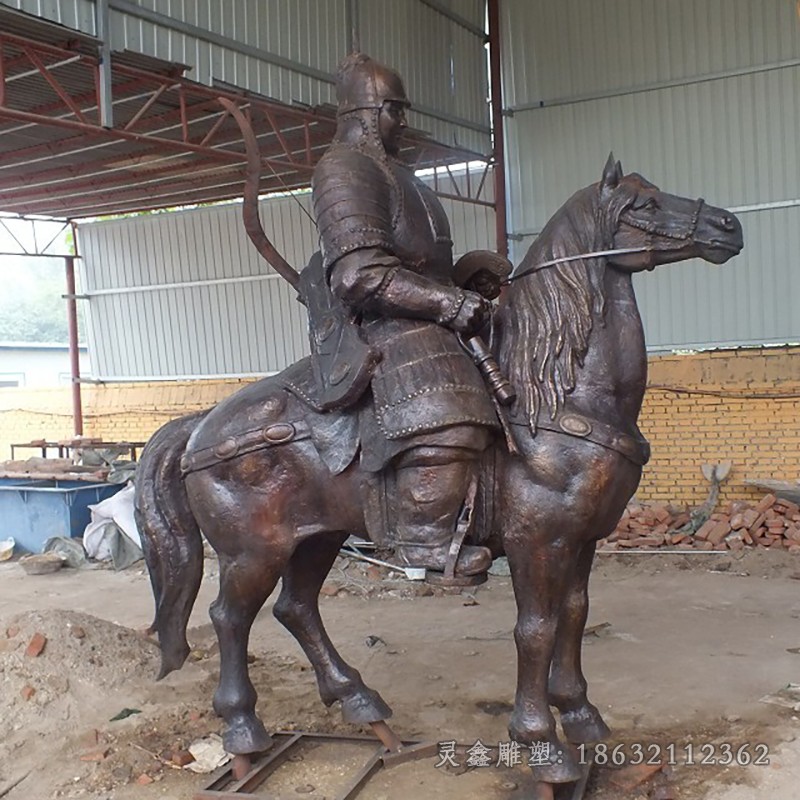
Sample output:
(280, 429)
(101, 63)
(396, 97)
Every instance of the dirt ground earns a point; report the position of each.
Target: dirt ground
(691, 645)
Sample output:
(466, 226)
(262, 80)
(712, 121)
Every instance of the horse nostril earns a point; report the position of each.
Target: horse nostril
(728, 223)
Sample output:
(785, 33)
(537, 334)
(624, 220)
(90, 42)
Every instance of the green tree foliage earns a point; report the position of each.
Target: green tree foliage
(32, 308)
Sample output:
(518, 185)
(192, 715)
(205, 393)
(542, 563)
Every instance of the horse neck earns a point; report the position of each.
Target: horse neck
(600, 361)
(612, 379)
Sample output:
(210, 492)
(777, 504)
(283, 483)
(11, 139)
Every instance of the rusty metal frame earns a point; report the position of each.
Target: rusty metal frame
(160, 116)
(40, 247)
(225, 787)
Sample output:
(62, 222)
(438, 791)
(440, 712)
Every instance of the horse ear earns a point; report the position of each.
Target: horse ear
(612, 172)
(620, 173)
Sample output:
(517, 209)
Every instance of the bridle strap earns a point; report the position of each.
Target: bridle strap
(653, 230)
(622, 251)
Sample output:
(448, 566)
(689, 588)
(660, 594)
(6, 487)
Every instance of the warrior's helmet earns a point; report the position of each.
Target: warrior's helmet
(363, 83)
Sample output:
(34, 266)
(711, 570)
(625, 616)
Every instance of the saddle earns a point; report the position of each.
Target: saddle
(272, 420)
(335, 433)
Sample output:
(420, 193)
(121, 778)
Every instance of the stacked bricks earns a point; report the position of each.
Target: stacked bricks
(727, 405)
(771, 522)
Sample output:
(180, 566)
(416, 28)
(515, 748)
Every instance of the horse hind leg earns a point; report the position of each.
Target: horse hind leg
(297, 609)
(246, 581)
(581, 721)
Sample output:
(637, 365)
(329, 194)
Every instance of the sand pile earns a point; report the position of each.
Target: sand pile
(53, 662)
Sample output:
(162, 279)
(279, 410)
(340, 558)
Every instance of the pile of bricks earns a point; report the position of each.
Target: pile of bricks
(772, 522)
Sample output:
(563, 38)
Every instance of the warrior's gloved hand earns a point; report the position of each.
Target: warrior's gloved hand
(465, 312)
(485, 283)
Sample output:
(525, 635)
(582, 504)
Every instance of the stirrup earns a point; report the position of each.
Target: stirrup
(441, 579)
(449, 577)
(436, 576)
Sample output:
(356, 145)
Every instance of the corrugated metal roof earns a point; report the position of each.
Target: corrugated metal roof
(172, 144)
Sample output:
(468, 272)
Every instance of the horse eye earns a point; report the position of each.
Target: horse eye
(650, 204)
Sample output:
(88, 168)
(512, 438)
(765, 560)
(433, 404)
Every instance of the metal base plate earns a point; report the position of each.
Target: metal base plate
(225, 786)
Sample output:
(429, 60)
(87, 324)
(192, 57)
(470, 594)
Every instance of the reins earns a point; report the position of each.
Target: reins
(621, 251)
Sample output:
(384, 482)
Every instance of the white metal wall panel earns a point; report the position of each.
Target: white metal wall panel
(573, 48)
(78, 14)
(751, 300)
(443, 63)
(184, 294)
(701, 97)
(221, 310)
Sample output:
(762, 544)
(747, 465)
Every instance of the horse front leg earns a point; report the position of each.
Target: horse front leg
(297, 608)
(581, 721)
(246, 580)
(540, 575)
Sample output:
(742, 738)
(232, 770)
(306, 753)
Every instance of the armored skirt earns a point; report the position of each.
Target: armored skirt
(425, 391)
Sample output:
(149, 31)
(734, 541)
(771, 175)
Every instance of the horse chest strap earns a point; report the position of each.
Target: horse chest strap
(244, 443)
(634, 448)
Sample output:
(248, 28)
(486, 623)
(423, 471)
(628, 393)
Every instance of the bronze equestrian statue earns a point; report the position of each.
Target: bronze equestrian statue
(278, 475)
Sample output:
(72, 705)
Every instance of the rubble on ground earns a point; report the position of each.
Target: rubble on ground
(771, 523)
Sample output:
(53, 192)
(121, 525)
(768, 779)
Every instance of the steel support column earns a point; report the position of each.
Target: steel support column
(74, 361)
(103, 28)
(498, 133)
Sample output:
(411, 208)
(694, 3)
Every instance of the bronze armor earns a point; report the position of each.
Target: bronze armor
(375, 213)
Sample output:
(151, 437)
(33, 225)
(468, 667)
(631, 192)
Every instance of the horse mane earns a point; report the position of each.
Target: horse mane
(549, 315)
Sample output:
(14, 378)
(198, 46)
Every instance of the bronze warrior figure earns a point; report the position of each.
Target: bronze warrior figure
(279, 474)
(388, 257)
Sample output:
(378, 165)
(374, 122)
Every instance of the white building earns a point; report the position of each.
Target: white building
(37, 365)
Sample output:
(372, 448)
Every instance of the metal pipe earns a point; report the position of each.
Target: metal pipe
(74, 356)
(197, 376)
(675, 83)
(82, 127)
(17, 76)
(86, 109)
(772, 205)
(161, 287)
(498, 140)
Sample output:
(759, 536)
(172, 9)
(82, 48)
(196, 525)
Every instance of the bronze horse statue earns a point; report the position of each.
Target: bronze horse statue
(568, 335)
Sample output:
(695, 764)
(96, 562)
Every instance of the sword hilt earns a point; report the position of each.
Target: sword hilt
(503, 391)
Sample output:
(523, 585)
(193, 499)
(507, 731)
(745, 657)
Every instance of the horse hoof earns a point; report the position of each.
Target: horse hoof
(244, 738)
(584, 725)
(365, 707)
(172, 660)
(560, 767)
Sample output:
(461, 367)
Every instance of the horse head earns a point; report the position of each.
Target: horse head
(659, 228)
(623, 224)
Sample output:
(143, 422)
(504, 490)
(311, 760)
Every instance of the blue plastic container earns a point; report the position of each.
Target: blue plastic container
(32, 511)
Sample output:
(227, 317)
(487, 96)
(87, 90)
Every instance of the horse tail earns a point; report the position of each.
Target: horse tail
(171, 538)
